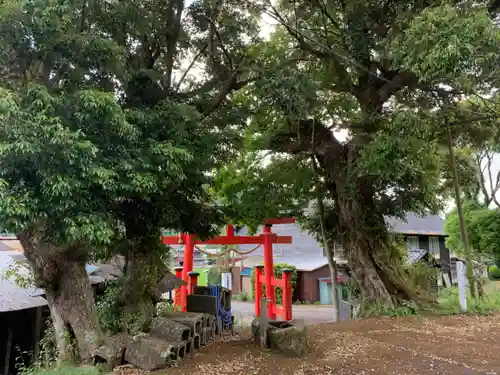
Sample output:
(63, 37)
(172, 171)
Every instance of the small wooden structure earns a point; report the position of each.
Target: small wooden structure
(24, 311)
(22, 320)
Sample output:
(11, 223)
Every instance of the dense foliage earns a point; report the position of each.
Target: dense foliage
(483, 227)
(494, 272)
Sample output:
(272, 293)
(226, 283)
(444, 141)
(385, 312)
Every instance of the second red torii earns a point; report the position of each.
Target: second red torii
(267, 238)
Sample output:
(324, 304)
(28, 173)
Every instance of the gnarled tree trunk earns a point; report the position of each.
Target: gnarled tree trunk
(60, 271)
(371, 256)
(73, 309)
(142, 274)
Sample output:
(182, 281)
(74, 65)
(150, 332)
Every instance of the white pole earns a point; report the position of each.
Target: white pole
(226, 280)
(462, 288)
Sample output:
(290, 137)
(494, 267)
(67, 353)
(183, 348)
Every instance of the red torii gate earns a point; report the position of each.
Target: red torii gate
(267, 238)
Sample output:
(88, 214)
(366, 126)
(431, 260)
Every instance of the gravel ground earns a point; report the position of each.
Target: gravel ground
(459, 345)
(312, 314)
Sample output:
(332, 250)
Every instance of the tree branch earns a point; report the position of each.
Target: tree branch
(213, 29)
(481, 181)
(398, 82)
(83, 16)
(190, 66)
(323, 53)
(172, 39)
(298, 137)
(230, 85)
(324, 11)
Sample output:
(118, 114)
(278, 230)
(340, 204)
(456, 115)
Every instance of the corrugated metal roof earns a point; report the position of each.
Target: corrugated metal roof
(303, 263)
(300, 262)
(13, 297)
(431, 225)
(304, 243)
(4, 247)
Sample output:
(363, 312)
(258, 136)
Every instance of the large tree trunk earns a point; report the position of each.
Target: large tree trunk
(359, 223)
(142, 274)
(73, 312)
(61, 272)
(371, 257)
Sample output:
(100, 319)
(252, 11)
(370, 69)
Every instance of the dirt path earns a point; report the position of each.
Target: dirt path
(407, 346)
(244, 312)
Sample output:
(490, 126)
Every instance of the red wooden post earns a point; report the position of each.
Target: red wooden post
(188, 267)
(269, 271)
(193, 281)
(287, 293)
(257, 288)
(177, 295)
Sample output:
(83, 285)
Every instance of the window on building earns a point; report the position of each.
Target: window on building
(412, 242)
(434, 245)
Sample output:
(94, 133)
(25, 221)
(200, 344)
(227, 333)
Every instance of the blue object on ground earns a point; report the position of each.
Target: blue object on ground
(224, 316)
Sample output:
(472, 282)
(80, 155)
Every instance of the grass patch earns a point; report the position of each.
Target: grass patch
(449, 303)
(63, 369)
(379, 309)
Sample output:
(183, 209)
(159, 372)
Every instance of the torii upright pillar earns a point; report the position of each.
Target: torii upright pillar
(269, 271)
(188, 267)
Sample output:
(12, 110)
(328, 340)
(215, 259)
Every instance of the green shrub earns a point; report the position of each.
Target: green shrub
(378, 308)
(113, 317)
(241, 296)
(278, 271)
(47, 353)
(494, 272)
(164, 308)
(421, 276)
(109, 307)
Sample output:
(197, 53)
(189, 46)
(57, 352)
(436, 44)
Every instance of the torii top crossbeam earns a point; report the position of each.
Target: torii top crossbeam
(231, 239)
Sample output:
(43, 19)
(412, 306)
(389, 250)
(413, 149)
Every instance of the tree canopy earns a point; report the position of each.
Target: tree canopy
(387, 77)
(120, 119)
(109, 134)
